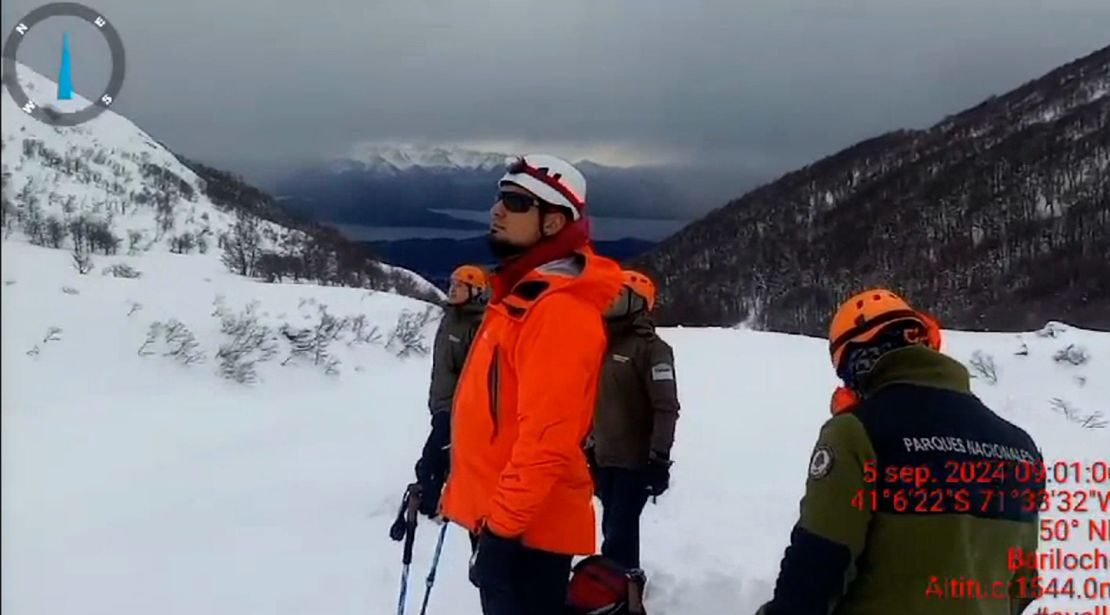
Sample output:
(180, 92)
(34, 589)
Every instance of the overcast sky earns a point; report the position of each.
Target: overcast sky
(762, 85)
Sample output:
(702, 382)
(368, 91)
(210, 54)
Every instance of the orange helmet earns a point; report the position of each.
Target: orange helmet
(641, 285)
(473, 275)
(866, 314)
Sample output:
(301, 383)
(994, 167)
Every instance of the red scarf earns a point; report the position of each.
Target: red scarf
(573, 237)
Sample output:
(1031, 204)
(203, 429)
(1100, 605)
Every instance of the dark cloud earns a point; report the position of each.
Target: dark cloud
(763, 85)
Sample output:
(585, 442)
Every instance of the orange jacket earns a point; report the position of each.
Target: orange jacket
(524, 404)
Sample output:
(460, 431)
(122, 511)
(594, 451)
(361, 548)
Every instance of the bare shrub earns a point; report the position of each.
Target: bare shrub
(82, 261)
(1087, 420)
(312, 344)
(53, 334)
(250, 342)
(983, 366)
(134, 239)
(122, 270)
(172, 339)
(408, 336)
(362, 333)
(1072, 354)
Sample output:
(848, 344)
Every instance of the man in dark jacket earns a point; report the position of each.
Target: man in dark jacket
(917, 494)
(466, 303)
(634, 422)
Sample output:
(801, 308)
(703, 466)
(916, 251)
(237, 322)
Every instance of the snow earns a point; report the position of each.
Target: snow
(136, 485)
(114, 151)
(1045, 209)
(394, 157)
(1050, 114)
(107, 180)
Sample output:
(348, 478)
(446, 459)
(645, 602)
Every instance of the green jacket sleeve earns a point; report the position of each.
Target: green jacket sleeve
(830, 532)
(662, 389)
(445, 366)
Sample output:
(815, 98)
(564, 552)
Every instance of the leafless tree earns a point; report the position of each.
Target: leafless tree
(82, 261)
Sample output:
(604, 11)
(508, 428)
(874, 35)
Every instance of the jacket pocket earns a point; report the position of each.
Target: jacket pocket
(493, 385)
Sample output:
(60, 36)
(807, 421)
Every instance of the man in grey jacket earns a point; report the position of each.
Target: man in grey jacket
(466, 304)
(634, 422)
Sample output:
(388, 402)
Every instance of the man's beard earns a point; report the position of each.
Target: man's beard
(503, 249)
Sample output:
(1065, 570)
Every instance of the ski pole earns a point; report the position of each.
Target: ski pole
(432, 574)
(412, 496)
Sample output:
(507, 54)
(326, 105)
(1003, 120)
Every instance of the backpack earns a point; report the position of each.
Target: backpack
(601, 586)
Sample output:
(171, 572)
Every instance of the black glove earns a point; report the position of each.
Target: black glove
(494, 560)
(657, 476)
(434, 463)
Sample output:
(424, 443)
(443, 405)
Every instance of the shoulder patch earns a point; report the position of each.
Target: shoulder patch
(821, 463)
(662, 371)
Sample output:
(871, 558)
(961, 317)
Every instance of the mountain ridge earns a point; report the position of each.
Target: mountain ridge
(399, 157)
(979, 203)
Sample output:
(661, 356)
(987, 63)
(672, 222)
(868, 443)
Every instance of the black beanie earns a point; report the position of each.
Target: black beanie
(860, 357)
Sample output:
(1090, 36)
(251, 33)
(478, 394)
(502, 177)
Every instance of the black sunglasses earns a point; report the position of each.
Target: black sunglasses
(516, 202)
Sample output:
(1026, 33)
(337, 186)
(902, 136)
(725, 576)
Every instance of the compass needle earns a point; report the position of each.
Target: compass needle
(65, 73)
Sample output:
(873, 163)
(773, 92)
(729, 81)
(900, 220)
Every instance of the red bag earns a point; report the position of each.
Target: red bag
(598, 586)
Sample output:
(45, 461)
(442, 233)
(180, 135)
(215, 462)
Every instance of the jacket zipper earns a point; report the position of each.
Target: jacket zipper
(492, 378)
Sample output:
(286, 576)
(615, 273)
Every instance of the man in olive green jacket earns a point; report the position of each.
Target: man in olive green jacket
(466, 304)
(634, 422)
(918, 495)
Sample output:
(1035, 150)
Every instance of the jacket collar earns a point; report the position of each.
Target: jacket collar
(470, 309)
(506, 275)
(917, 365)
(591, 277)
(638, 323)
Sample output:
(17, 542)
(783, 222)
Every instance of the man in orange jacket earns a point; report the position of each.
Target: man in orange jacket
(524, 403)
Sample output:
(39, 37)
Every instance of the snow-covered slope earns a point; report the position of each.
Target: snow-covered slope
(135, 483)
(114, 186)
(109, 170)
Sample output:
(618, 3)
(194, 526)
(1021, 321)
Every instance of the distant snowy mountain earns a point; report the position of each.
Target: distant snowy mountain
(385, 158)
(404, 186)
(107, 187)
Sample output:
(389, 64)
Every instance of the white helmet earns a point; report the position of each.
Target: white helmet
(553, 180)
